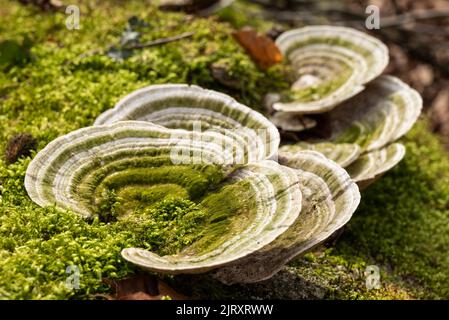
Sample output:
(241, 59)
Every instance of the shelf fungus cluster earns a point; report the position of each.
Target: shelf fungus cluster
(258, 211)
(340, 103)
(252, 205)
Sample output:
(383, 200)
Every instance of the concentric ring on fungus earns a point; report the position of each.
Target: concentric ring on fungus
(258, 201)
(364, 128)
(331, 64)
(330, 198)
(189, 107)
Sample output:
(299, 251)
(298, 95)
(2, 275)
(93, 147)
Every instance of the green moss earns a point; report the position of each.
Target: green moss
(194, 181)
(108, 206)
(68, 85)
(167, 227)
(136, 195)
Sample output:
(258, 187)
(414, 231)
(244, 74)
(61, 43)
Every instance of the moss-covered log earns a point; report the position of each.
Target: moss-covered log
(401, 225)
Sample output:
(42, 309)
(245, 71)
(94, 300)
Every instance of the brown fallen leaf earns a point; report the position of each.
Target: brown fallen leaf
(18, 146)
(142, 287)
(261, 48)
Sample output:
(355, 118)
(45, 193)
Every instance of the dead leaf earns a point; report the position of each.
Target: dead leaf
(19, 146)
(142, 287)
(261, 48)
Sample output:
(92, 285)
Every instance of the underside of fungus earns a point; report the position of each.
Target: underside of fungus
(288, 122)
(330, 64)
(193, 108)
(330, 198)
(362, 129)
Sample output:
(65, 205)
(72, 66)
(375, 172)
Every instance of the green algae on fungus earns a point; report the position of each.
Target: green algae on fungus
(85, 170)
(330, 198)
(362, 130)
(343, 153)
(301, 93)
(270, 202)
(74, 170)
(385, 111)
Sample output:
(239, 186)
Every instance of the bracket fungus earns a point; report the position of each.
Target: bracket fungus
(331, 64)
(146, 150)
(288, 122)
(248, 205)
(373, 164)
(261, 205)
(362, 130)
(191, 107)
(330, 198)
(73, 171)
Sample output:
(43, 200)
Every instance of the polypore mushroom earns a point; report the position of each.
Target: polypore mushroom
(190, 107)
(331, 64)
(363, 128)
(249, 205)
(373, 164)
(290, 122)
(271, 201)
(330, 198)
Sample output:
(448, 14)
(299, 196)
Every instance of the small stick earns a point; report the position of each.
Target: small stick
(142, 45)
(160, 41)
